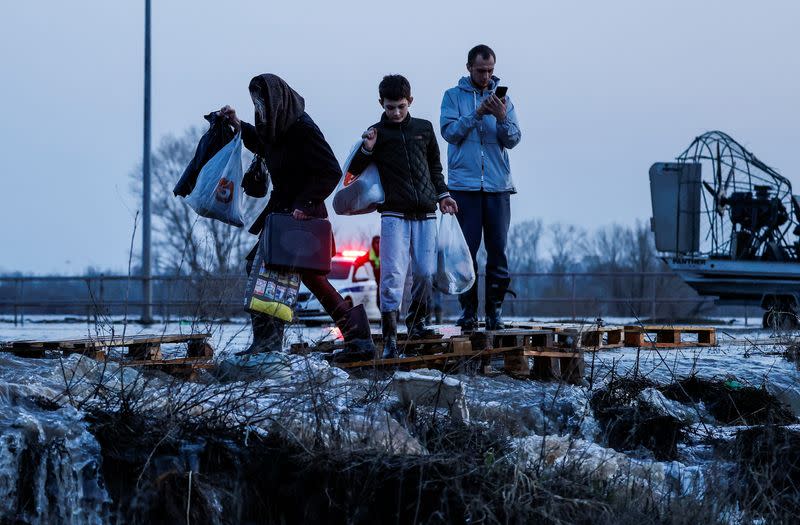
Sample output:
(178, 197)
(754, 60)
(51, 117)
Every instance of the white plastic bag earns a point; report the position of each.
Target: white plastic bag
(358, 194)
(454, 271)
(218, 191)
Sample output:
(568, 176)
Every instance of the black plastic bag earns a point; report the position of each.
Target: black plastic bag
(256, 178)
(218, 135)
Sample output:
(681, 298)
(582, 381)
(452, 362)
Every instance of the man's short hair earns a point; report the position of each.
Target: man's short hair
(481, 49)
(394, 87)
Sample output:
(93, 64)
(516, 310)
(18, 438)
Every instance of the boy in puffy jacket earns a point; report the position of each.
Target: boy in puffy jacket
(406, 153)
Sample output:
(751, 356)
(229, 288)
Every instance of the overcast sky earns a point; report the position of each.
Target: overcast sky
(602, 90)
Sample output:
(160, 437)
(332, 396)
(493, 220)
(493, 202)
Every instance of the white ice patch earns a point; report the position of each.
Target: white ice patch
(668, 407)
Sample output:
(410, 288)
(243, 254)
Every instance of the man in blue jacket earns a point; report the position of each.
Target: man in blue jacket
(480, 127)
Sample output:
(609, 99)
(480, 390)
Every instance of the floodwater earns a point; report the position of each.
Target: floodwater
(46, 441)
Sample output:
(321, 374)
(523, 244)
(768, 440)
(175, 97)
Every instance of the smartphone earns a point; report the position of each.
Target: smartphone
(501, 91)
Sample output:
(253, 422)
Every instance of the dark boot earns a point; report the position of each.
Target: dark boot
(496, 290)
(354, 325)
(469, 309)
(267, 335)
(415, 321)
(389, 329)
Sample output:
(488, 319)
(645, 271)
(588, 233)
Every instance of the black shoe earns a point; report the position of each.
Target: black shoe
(267, 335)
(469, 309)
(494, 321)
(389, 329)
(468, 321)
(415, 320)
(496, 290)
(354, 325)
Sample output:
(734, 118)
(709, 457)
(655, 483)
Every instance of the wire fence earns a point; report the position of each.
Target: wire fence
(563, 295)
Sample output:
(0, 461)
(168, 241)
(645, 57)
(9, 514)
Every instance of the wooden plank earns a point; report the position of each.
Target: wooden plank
(108, 341)
(145, 351)
(199, 362)
(420, 359)
(707, 338)
(660, 336)
(601, 337)
(682, 328)
(516, 364)
(572, 370)
(199, 348)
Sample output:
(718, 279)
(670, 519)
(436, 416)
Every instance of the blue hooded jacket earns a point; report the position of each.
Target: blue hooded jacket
(476, 153)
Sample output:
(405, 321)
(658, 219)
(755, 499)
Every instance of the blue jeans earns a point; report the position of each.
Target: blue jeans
(405, 241)
(484, 215)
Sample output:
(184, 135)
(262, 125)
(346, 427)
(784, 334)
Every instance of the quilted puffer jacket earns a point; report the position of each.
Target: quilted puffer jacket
(407, 157)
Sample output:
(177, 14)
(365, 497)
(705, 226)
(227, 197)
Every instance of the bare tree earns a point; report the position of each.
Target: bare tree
(566, 244)
(183, 241)
(523, 246)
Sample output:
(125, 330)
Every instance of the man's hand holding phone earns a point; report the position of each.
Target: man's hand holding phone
(494, 104)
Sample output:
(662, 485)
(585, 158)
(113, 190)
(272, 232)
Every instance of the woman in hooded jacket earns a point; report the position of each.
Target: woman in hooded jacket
(303, 171)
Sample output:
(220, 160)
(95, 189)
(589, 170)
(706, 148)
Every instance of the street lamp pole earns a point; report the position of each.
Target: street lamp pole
(147, 284)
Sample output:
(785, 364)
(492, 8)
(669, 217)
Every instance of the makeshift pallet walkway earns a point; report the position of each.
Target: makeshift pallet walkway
(669, 336)
(142, 350)
(437, 352)
(515, 347)
(435, 344)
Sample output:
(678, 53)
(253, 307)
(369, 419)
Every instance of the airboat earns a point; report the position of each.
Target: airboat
(728, 225)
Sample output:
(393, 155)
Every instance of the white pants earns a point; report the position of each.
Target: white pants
(404, 241)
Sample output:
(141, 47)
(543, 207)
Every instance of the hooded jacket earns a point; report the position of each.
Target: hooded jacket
(477, 159)
(302, 166)
(407, 157)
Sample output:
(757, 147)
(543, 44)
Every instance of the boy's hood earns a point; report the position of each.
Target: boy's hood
(466, 84)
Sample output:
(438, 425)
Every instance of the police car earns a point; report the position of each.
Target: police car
(356, 285)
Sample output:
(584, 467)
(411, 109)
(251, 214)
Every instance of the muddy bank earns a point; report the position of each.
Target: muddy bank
(468, 474)
(636, 412)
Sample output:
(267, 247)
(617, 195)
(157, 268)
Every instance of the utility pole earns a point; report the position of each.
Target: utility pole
(147, 284)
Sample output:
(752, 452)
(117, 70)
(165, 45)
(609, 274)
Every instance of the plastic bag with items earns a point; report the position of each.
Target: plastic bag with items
(358, 194)
(454, 271)
(218, 191)
(214, 139)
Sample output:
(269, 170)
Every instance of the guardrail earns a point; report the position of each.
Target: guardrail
(568, 294)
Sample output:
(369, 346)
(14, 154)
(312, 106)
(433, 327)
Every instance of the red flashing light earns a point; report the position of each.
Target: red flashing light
(353, 253)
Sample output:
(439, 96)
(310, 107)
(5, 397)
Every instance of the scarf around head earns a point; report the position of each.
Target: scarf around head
(277, 105)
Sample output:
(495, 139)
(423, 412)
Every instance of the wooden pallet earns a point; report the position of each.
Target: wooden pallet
(519, 347)
(573, 335)
(601, 338)
(662, 336)
(435, 344)
(182, 367)
(516, 347)
(445, 361)
(142, 350)
(489, 339)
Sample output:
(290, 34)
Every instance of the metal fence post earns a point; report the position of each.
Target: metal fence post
(22, 299)
(655, 299)
(16, 300)
(573, 296)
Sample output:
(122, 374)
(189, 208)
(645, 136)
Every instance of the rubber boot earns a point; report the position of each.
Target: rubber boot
(469, 309)
(354, 325)
(389, 329)
(415, 321)
(267, 335)
(496, 290)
